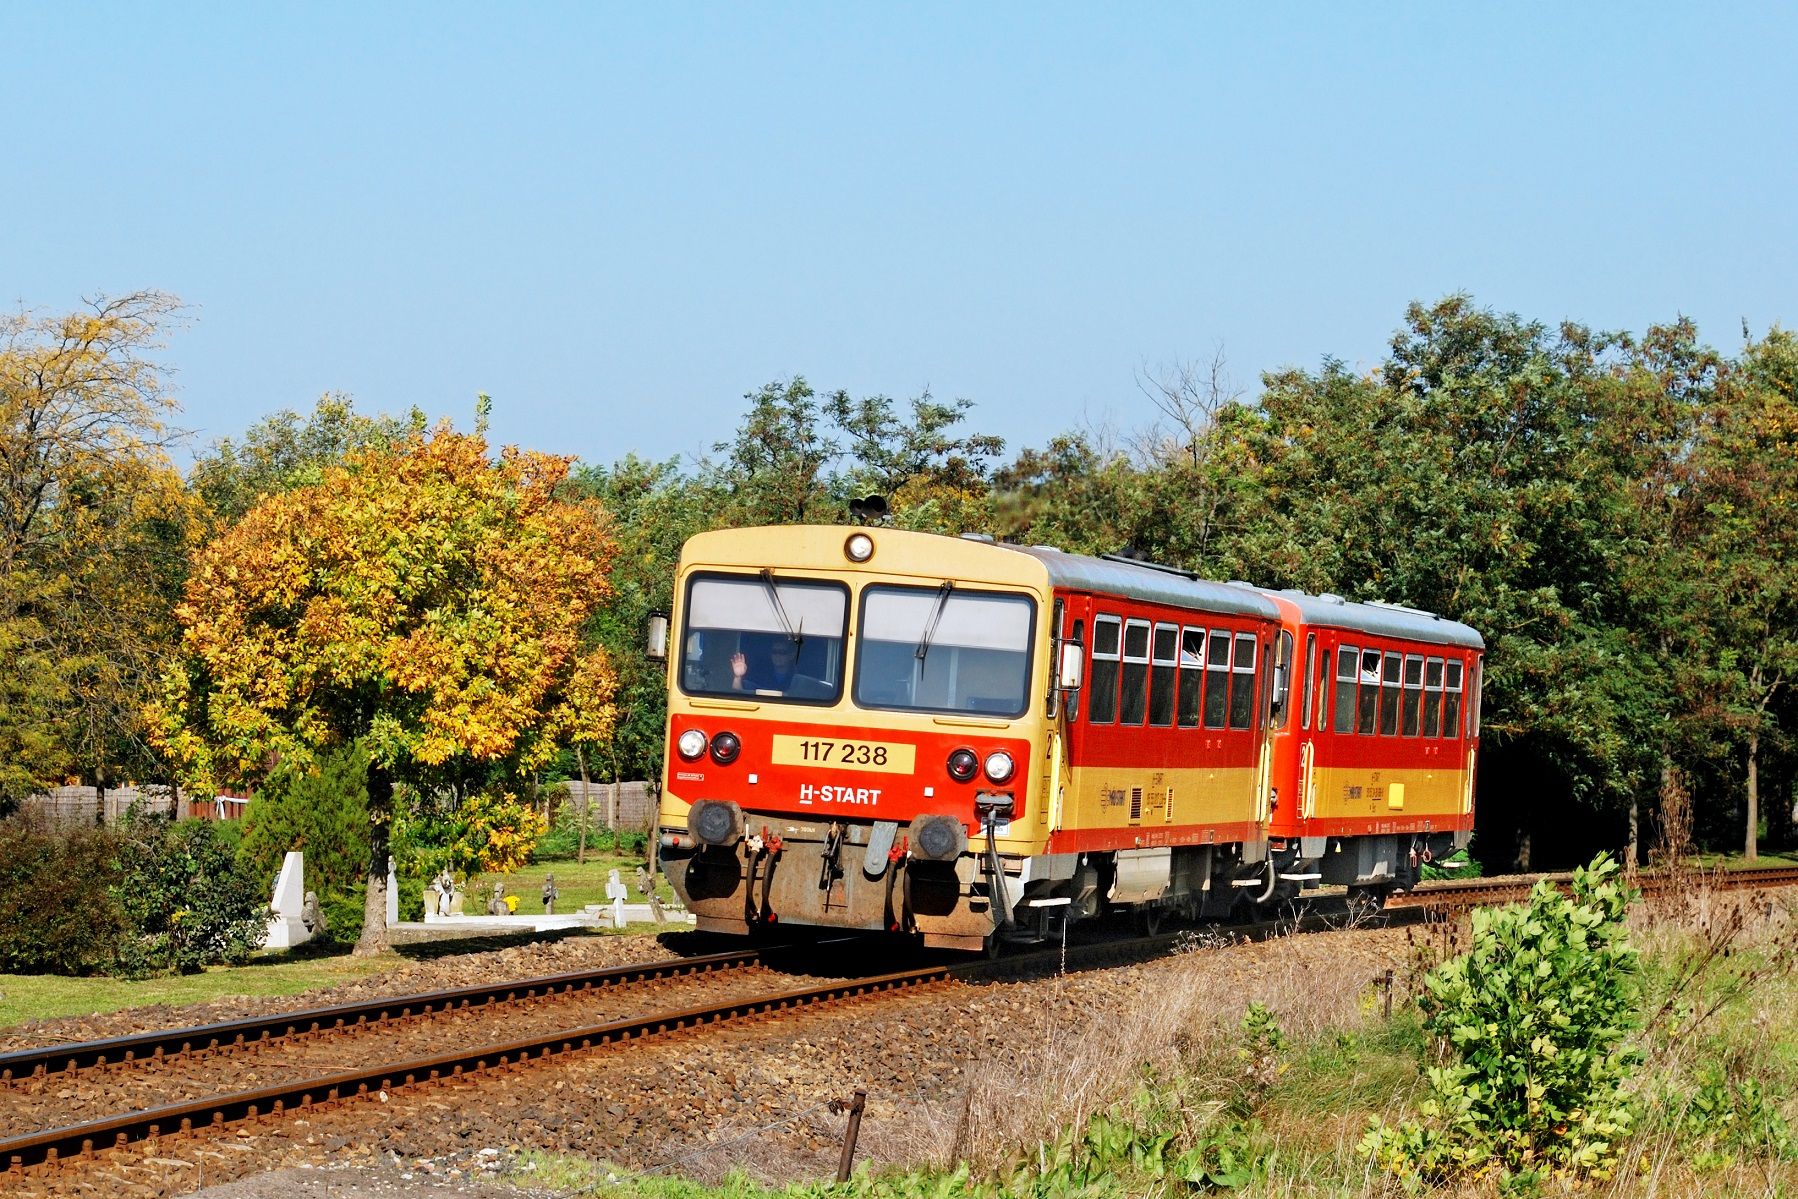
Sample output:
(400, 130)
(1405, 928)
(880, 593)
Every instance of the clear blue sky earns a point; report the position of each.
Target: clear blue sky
(617, 220)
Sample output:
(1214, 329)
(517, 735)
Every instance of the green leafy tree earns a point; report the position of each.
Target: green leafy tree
(773, 471)
(321, 811)
(286, 450)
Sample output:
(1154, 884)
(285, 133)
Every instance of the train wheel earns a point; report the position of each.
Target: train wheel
(994, 946)
(1152, 919)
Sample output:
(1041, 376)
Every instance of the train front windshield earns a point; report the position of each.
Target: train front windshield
(935, 649)
(772, 638)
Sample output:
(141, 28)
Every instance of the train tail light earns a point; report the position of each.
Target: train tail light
(725, 748)
(962, 765)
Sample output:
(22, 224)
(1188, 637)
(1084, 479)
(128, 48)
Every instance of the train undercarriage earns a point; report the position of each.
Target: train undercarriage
(934, 883)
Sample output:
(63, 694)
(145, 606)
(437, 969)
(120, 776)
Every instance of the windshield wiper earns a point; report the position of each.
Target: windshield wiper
(780, 612)
(936, 614)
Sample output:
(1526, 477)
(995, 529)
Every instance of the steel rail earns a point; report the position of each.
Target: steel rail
(49, 1147)
(1455, 893)
(231, 1035)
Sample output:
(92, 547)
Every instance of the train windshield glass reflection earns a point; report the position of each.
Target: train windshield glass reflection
(957, 651)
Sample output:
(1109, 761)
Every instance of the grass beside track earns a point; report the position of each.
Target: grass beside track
(45, 996)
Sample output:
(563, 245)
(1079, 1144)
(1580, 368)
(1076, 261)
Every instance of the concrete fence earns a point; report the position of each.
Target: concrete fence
(67, 807)
(631, 809)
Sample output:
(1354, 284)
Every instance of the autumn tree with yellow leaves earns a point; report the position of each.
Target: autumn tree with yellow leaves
(422, 599)
(94, 527)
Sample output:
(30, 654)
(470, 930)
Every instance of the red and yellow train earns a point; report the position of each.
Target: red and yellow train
(974, 742)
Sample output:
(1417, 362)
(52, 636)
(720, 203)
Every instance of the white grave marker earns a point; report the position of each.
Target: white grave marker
(285, 926)
(616, 891)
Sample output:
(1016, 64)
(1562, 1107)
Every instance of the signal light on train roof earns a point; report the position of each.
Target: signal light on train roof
(999, 766)
(725, 748)
(691, 744)
(963, 764)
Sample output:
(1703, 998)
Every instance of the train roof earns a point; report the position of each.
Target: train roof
(1155, 584)
(1382, 620)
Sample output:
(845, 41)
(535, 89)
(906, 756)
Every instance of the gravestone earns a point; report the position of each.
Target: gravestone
(616, 891)
(393, 895)
(286, 920)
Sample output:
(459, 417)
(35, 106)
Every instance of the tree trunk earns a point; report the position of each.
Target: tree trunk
(1754, 796)
(1523, 852)
(580, 756)
(1632, 849)
(380, 825)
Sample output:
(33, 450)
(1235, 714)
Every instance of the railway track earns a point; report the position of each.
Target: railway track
(1456, 894)
(34, 1152)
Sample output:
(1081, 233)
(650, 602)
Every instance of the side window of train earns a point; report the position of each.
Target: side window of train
(1056, 625)
(1473, 703)
(1242, 683)
(1104, 681)
(1413, 692)
(1136, 672)
(1217, 678)
(1192, 675)
(1310, 669)
(1451, 699)
(1282, 684)
(1367, 706)
(1161, 675)
(1389, 696)
(1346, 658)
(1432, 697)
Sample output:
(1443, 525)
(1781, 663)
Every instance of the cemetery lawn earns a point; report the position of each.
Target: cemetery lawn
(44, 996)
(580, 883)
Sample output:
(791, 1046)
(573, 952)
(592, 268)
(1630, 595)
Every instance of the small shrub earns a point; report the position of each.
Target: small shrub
(1535, 1017)
(188, 902)
(57, 911)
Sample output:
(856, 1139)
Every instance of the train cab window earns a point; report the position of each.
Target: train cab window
(1217, 679)
(1310, 669)
(1389, 696)
(1192, 675)
(1367, 706)
(1413, 692)
(773, 638)
(1242, 683)
(1161, 675)
(1107, 631)
(1432, 697)
(1346, 658)
(1132, 706)
(938, 649)
(1451, 699)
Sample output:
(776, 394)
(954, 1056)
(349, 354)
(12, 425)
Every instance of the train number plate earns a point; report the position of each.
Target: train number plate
(881, 757)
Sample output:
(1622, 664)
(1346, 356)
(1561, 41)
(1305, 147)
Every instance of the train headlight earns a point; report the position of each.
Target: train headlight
(691, 744)
(715, 822)
(859, 547)
(725, 748)
(962, 765)
(999, 766)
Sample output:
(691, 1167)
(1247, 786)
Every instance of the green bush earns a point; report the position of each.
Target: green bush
(57, 912)
(562, 842)
(1535, 1017)
(323, 812)
(187, 901)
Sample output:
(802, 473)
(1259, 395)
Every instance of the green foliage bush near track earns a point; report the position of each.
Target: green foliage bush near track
(1537, 1016)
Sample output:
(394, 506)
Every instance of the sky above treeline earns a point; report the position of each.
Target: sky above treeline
(619, 219)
